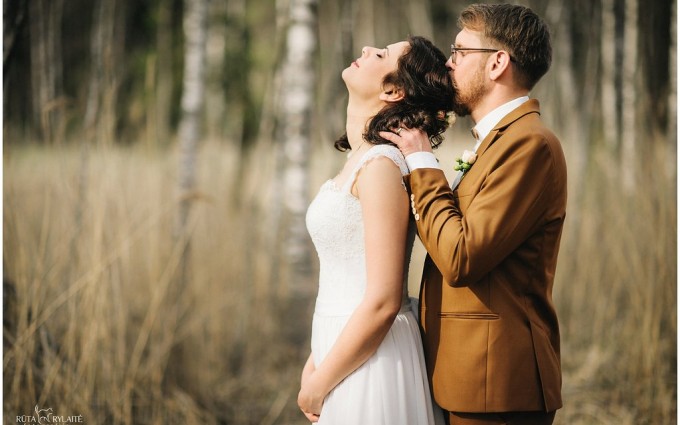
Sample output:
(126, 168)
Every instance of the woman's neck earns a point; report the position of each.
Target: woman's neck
(359, 114)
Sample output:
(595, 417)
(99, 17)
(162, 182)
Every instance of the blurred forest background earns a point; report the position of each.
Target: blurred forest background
(159, 156)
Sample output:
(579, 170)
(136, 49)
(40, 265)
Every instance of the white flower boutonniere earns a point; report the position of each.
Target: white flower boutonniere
(464, 163)
(449, 117)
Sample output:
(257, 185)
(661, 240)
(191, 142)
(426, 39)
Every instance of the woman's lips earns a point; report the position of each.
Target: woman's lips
(355, 63)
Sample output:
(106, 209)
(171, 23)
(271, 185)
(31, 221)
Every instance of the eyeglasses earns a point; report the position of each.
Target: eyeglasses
(455, 50)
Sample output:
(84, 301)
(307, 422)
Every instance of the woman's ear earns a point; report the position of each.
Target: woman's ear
(391, 94)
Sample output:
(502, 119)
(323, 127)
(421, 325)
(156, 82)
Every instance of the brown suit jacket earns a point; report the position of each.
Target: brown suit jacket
(489, 327)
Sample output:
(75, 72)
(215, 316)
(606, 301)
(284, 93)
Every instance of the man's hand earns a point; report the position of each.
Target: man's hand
(408, 140)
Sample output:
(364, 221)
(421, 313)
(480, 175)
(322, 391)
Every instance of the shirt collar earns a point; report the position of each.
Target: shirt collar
(486, 124)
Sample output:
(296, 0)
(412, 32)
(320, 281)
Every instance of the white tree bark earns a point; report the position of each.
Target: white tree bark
(610, 123)
(363, 19)
(193, 97)
(299, 81)
(215, 110)
(419, 18)
(571, 106)
(100, 108)
(630, 90)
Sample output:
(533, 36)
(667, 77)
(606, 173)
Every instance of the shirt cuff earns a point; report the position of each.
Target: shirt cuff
(421, 160)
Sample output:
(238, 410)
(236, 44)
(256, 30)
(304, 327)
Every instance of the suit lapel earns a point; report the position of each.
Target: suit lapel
(528, 107)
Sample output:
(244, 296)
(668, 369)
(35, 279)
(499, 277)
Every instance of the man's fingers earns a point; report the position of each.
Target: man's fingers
(388, 135)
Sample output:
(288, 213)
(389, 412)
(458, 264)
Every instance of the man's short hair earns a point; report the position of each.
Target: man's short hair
(516, 29)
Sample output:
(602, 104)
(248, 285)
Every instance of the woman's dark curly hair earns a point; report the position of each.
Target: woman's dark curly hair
(428, 96)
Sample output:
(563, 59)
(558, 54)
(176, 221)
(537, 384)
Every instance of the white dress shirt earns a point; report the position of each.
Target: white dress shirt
(483, 128)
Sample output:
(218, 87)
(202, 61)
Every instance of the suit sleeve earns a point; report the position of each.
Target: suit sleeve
(507, 208)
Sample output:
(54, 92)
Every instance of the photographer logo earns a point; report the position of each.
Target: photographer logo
(47, 416)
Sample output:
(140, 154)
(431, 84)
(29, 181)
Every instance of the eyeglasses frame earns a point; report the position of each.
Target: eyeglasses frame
(455, 50)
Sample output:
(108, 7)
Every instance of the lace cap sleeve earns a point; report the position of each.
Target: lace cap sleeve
(388, 151)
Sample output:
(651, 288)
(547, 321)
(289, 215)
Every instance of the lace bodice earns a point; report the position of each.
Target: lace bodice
(335, 224)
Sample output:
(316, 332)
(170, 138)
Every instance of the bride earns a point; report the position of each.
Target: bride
(366, 364)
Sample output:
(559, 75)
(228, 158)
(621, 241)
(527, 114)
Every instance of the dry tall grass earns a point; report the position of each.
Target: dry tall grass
(93, 325)
(616, 295)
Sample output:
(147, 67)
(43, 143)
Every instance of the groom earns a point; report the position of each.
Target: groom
(489, 326)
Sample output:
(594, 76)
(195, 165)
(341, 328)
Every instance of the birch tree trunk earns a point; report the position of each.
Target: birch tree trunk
(56, 65)
(164, 74)
(46, 67)
(363, 20)
(215, 111)
(13, 19)
(672, 128)
(236, 95)
(193, 98)
(14, 15)
(655, 23)
(574, 111)
(419, 17)
(39, 90)
(630, 91)
(610, 123)
(298, 83)
(100, 113)
(570, 111)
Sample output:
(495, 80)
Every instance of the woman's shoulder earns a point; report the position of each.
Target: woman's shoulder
(388, 151)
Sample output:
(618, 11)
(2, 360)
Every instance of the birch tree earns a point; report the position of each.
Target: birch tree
(610, 123)
(13, 19)
(46, 66)
(363, 19)
(419, 17)
(655, 65)
(216, 37)
(100, 115)
(193, 97)
(164, 73)
(630, 91)
(100, 101)
(296, 105)
(672, 127)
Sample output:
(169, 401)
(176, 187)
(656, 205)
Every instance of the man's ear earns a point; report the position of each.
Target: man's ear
(501, 63)
(391, 94)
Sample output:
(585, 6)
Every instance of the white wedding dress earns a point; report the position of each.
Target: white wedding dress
(391, 387)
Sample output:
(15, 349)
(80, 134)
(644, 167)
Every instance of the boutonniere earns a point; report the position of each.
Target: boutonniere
(449, 117)
(464, 163)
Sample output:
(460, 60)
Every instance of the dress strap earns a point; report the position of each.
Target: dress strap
(377, 151)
